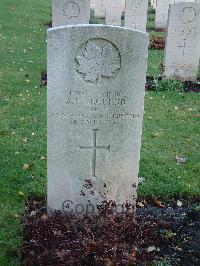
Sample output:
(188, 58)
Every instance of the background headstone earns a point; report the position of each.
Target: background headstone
(136, 14)
(161, 18)
(99, 9)
(92, 4)
(123, 5)
(153, 4)
(183, 42)
(113, 10)
(96, 85)
(70, 12)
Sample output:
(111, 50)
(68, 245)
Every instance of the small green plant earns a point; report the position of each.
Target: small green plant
(167, 85)
(197, 207)
(164, 262)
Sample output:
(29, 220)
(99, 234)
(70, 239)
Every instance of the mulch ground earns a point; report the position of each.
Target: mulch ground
(163, 233)
(188, 86)
(156, 42)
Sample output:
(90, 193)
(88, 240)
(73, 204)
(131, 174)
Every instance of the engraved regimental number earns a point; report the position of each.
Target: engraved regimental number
(71, 10)
(97, 61)
(94, 148)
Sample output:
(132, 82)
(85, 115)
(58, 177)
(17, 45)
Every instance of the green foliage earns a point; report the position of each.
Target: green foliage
(197, 207)
(164, 262)
(167, 85)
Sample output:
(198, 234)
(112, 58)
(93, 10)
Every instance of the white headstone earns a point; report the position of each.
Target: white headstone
(96, 85)
(153, 3)
(123, 5)
(70, 12)
(99, 9)
(113, 12)
(161, 17)
(136, 14)
(92, 4)
(183, 42)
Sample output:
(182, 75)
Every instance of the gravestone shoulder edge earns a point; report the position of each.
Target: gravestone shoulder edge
(79, 26)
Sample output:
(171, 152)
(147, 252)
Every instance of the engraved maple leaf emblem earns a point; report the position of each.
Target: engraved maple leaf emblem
(71, 10)
(98, 62)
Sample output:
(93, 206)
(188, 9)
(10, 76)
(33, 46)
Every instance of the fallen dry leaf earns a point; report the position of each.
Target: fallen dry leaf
(179, 203)
(33, 213)
(26, 166)
(156, 135)
(141, 179)
(140, 204)
(133, 256)
(150, 249)
(158, 203)
(44, 217)
(24, 140)
(180, 160)
(21, 194)
(108, 262)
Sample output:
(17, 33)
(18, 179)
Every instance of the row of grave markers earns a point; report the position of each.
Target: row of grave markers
(96, 87)
(71, 12)
(182, 43)
(161, 8)
(78, 11)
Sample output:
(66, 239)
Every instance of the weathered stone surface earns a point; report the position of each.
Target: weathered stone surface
(136, 14)
(70, 12)
(96, 83)
(99, 9)
(113, 10)
(183, 42)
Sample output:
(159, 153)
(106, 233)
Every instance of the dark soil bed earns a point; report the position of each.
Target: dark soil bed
(162, 234)
(188, 86)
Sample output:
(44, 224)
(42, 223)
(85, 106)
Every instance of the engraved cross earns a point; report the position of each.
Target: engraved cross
(183, 46)
(94, 147)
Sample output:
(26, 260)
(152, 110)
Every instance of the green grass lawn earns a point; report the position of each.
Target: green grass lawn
(171, 124)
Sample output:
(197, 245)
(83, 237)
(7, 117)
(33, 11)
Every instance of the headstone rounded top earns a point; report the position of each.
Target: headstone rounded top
(99, 28)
